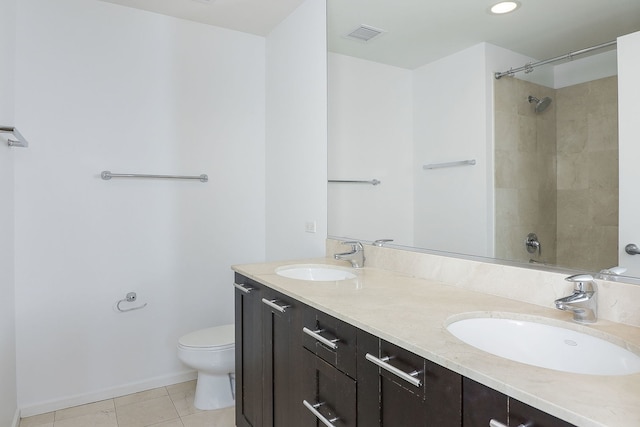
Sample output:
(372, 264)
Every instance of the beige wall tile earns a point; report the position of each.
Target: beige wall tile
(573, 174)
(603, 169)
(572, 135)
(604, 207)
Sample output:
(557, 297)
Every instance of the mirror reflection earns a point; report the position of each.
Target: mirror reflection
(530, 160)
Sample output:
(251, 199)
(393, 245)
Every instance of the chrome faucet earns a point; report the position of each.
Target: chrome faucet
(583, 302)
(355, 256)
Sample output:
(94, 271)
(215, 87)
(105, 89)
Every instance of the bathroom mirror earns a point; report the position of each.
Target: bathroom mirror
(523, 178)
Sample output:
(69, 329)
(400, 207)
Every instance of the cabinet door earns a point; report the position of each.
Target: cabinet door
(481, 404)
(282, 340)
(248, 340)
(328, 396)
(425, 395)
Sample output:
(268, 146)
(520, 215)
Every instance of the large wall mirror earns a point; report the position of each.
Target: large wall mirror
(428, 148)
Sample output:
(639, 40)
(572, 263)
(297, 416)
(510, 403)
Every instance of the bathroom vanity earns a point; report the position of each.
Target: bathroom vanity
(374, 351)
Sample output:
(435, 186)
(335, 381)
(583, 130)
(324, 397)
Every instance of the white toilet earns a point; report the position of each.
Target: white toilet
(211, 352)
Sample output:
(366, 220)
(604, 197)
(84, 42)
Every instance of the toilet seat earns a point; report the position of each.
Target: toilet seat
(215, 338)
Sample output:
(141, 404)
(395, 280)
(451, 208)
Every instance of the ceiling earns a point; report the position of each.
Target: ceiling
(249, 16)
(421, 31)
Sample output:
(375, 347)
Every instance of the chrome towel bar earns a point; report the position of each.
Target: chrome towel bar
(449, 164)
(372, 182)
(106, 175)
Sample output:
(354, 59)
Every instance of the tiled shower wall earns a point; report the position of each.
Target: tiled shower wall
(525, 171)
(557, 173)
(587, 132)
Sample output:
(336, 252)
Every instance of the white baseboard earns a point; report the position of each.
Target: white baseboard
(16, 418)
(110, 393)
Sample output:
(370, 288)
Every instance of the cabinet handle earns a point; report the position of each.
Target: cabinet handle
(243, 288)
(272, 304)
(494, 423)
(409, 377)
(316, 335)
(314, 411)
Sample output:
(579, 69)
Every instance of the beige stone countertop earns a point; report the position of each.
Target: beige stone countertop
(413, 313)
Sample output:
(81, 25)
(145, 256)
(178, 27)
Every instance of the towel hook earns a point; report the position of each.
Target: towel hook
(131, 297)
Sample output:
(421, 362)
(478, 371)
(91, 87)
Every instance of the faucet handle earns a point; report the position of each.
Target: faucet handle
(355, 245)
(380, 242)
(583, 282)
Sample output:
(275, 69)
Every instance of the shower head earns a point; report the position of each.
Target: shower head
(541, 104)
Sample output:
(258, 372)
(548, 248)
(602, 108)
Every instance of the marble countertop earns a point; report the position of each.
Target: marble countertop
(413, 313)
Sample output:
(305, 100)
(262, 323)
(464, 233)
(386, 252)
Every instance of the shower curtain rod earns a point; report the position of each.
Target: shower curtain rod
(527, 68)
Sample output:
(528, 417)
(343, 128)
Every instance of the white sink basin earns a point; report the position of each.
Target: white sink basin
(315, 273)
(546, 346)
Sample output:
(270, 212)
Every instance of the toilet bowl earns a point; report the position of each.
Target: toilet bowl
(211, 352)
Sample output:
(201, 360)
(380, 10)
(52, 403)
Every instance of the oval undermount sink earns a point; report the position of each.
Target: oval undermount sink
(315, 273)
(546, 346)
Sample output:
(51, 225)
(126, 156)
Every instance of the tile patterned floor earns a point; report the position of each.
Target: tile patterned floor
(170, 406)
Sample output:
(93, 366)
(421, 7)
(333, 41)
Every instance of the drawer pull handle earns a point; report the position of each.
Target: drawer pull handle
(314, 411)
(494, 423)
(409, 377)
(243, 288)
(316, 335)
(272, 304)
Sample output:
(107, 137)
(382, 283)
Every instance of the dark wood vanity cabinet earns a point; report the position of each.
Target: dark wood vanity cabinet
(249, 352)
(282, 360)
(296, 366)
(329, 396)
(268, 356)
(330, 391)
(482, 404)
(397, 388)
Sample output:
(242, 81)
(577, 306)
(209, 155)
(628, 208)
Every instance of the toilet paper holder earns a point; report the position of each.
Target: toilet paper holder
(130, 297)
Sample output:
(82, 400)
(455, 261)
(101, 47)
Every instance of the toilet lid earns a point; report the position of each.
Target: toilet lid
(218, 336)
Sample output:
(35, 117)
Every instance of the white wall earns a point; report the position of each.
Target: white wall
(105, 87)
(296, 165)
(451, 124)
(370, 137)
(629, 129)
(586, 69)
(8, 391)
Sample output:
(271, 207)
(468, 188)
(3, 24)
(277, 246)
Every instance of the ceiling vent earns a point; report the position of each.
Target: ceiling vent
(364, 33)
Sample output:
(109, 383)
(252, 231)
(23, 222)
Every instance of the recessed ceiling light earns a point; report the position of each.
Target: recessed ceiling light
(504, 7)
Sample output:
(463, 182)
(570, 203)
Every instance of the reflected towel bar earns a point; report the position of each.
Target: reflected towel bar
(372, 182)
(106, 175)
(449, 164)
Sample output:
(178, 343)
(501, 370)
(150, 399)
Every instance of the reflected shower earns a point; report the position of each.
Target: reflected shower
(541, 104)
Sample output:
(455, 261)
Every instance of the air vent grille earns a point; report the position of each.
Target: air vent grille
(364, 33)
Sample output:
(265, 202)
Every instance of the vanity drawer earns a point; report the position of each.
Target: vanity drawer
(399, 388)
(332, 340)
